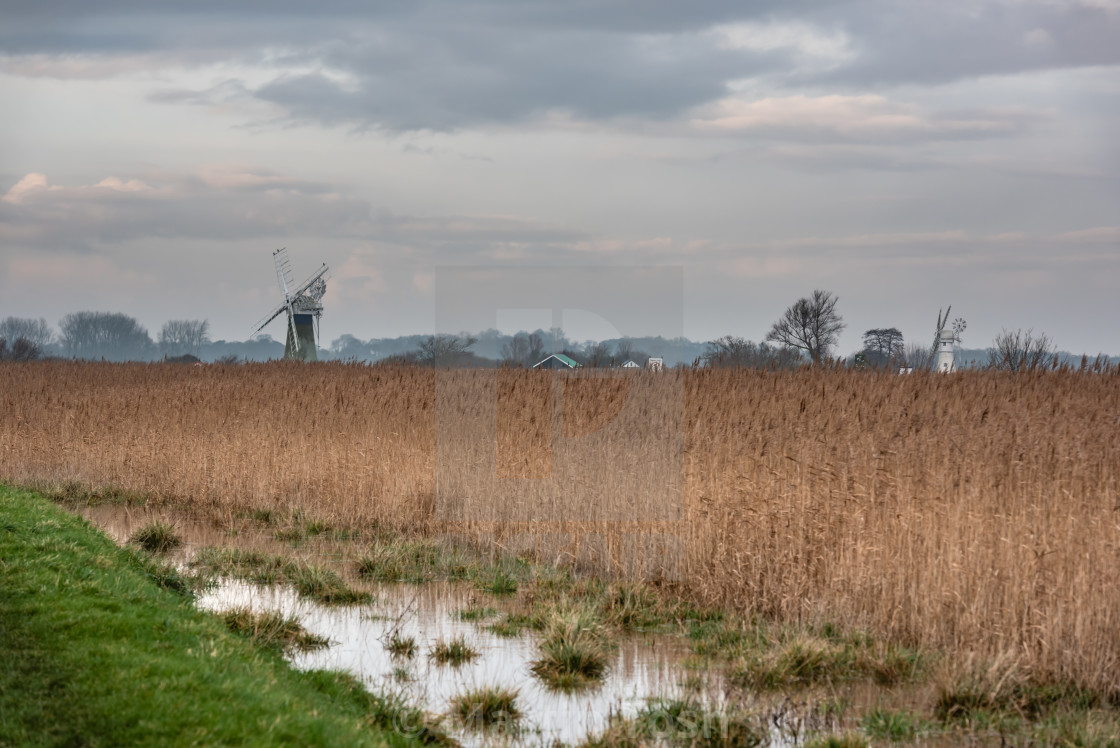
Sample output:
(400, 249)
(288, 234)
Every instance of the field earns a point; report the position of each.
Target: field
(977, 514)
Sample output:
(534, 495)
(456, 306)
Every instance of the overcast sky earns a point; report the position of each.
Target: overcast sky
(904, 155)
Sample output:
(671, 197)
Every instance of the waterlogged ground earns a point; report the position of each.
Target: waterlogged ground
(649, 675)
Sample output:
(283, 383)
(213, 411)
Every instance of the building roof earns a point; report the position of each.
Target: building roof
(630, 365)
(567, 361)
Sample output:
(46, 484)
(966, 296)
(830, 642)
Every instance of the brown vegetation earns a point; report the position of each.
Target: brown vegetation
(976, 513)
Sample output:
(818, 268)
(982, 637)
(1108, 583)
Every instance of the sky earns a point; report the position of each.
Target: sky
(904, 156)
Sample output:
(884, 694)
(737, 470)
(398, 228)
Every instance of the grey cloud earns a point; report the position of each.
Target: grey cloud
(237, 204)
(443, 64)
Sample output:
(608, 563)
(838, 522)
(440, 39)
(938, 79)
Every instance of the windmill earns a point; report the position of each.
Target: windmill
(304, 305)
(944, 341)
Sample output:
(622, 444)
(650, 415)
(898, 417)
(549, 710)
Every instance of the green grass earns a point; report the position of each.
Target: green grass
(96, 653)
(487, 709)
(310, 581)
(273, 630)
(574, 651)
(454, 652)
(156, 537)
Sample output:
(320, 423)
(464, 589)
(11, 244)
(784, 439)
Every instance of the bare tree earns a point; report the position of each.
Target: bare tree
(1020, 351)
(599, 355)
(919, 357)
(445, 350)
(181, 336)
(883, 346)
(22, 350)
(811, 325)
(108, 335)
(523, 349)
(34, 331)
(731, 350)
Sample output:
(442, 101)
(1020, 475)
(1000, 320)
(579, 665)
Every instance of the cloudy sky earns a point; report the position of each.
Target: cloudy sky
(904, 155)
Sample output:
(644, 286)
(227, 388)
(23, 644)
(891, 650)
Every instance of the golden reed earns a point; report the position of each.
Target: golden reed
(976, 513)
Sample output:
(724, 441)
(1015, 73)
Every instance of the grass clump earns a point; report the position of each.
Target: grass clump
(477, 613)
(157, 537)
(803, 660)
(894, 726)
(454, 652)
(499, 582)
(309, 580)
(676, 722)
(412, 561)
(573, 652)
(844, 740)
(403, 647)
(490, 709)
(510, 625)
(273, 630)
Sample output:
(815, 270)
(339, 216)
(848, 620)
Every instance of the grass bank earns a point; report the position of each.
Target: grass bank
(103, 647)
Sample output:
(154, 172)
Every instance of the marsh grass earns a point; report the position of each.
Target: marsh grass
(273, 630)
(477, 613)
(309, 580)
(157, 537)
(843, 740)
(574, 650)
(403, 647)
(488, 709)
(893, 725)
(454, 652)
(956, 514)
(683, 722)
(415, 561)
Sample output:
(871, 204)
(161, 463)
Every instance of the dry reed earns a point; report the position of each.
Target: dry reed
(976, 513)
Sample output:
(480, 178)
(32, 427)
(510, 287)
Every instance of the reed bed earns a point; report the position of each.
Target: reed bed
(977, 513)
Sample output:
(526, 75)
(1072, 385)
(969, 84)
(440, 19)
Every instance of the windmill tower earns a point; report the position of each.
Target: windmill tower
(304, 306)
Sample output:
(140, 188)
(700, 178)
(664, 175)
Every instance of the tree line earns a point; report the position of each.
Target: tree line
(806, 333)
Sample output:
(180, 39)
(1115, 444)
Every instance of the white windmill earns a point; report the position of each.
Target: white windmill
(304, 305)
(944, 341)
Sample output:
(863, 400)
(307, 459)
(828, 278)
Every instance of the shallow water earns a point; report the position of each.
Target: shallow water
(642, 667)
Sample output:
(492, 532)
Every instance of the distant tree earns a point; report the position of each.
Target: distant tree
(116, 337)
(918, 357)
(350, 347)
(883, 346)
(183, 336)
(812, 325)
(228, 360)
(21, 350)
(732, 351)
(445, 350)
(34, 331)
(624, 350)
(599, 355)
(523, 349)
(1020, 351)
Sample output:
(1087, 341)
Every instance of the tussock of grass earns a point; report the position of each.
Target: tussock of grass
(310, 581)
(454, 652)
(403, 647)
(895, 726)
(477, 613)
(676, 722)
(574, 650)
(412, 561)
(273, 630)
(844, 740)
(510, 625)
(157, 537)
(498, 582)
(491, 709)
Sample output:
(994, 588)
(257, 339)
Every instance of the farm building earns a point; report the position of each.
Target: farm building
(630, 365)
(558, 361)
